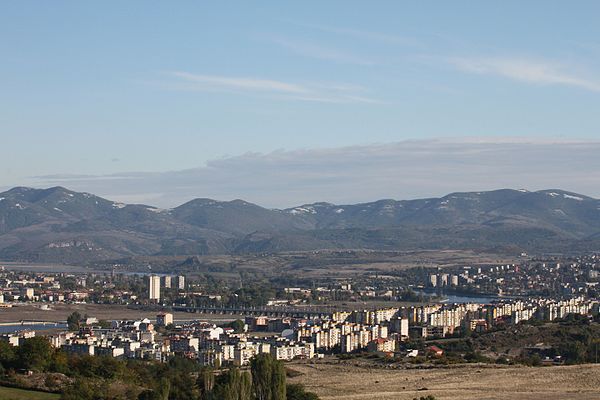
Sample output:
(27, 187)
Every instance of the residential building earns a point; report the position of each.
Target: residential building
(154, 287)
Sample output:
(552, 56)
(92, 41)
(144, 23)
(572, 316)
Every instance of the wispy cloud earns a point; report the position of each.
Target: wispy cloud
(402, 170)
(525, 70)
(317, 92)
(321, 52)
(253, 84)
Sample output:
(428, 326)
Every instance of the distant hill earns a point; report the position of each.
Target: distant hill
(60, 225)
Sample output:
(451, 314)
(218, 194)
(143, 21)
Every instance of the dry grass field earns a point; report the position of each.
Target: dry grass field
(307, 264)
(60, 312)
(348, 382)
(7, 393)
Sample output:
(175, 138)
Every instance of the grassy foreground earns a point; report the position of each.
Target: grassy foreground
(7, 393)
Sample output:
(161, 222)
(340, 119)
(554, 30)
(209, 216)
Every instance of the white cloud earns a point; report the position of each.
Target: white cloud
(409, 169)
(267, 85)
(316, 92)
(524, 70)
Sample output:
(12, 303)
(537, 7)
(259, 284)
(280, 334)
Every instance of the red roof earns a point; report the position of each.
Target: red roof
(435, 349)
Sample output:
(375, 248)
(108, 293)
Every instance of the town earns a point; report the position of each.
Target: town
(300, 322)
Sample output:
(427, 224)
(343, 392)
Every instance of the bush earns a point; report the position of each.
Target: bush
(297, 392)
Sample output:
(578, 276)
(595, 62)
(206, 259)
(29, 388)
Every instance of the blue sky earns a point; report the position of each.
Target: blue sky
(113, 88)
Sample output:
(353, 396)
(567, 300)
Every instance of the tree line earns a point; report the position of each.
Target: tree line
(108, 378)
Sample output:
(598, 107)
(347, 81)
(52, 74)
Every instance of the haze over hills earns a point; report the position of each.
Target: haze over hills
(59, 225)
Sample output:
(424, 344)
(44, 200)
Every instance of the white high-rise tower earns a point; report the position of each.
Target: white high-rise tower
(181, 282)
(154, 287)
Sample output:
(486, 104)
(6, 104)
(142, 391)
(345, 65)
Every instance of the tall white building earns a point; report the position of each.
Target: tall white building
(181, 282)
(433, 280)
(154, 287)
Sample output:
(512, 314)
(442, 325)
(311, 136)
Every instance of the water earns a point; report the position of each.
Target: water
(467, 299)
(34, 327)
(454, 298)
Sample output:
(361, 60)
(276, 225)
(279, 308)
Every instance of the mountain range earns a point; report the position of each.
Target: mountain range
(59, 225)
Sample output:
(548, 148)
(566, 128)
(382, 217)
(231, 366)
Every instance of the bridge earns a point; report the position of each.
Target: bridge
(308, 313)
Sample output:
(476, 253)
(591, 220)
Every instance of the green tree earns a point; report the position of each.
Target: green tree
(232, 385)
(7, 355)
(261, 367)
(278, 388)
(206, 381)
(80, 390)
(164, 388)
(181, 386)
(268, 378)
(59, 363)
(74, 321)
(35, 354)
(237, 325)
(161, 392)
(246, 391)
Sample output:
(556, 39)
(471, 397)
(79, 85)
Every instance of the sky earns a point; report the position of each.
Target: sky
(284, 103)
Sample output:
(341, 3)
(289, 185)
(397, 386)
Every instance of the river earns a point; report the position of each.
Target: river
(456, 298)
(33, 327)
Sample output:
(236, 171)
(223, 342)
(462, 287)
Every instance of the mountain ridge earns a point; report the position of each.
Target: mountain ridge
(59, 225)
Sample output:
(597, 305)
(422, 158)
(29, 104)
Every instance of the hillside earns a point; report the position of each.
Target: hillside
(60, 225)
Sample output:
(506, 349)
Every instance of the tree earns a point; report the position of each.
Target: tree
(181, 385)
(278, 381)
(7, 355)
(268, 378)
(261, 367)
(245, 386)
(80, 390)
(237, 325)
(164, 388)
(232, 385)
(35, 353)
(206, 381)
(59, 363)
(160, 392)
(74, 321)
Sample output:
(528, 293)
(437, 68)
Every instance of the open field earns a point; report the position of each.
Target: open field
(307, 264)
(7, 393)
(49, 267)
(349, 263)
(320, 264)
(60, 312)
(469, 382)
